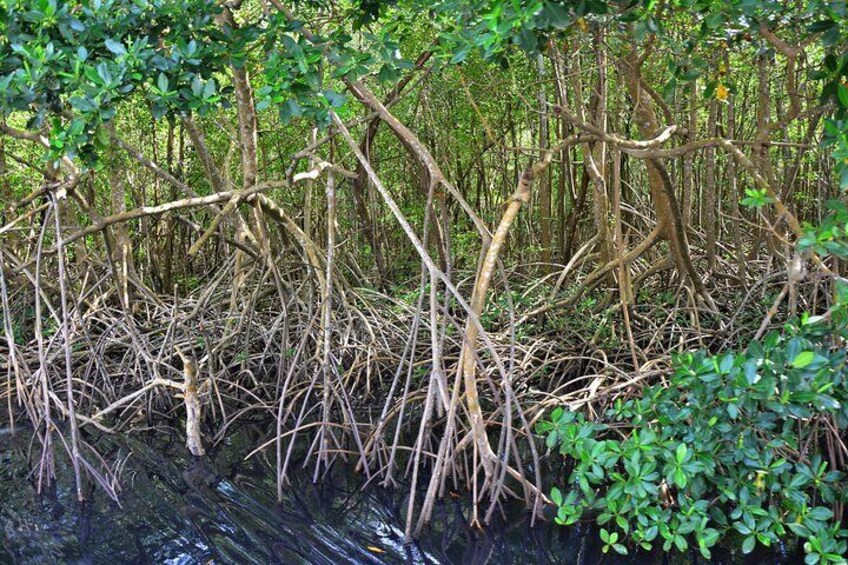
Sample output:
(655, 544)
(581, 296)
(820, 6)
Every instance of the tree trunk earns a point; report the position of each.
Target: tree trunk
(544, 181)
(710, 203)
(669, 217)
(122, 255)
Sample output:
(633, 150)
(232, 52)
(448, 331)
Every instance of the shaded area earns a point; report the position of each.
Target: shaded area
(175, 509)
(222, 509)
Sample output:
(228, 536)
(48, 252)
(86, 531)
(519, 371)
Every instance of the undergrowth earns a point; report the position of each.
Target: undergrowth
(743, 446)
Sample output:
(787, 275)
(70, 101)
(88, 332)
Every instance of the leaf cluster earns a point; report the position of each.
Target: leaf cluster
(726, 448)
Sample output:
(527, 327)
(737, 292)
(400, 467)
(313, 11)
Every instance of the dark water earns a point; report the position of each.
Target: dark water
(178, 510)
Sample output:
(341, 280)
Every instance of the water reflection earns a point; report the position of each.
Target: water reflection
(175, 510)
(178, 510)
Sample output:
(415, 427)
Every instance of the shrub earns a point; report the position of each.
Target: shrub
(730, 446)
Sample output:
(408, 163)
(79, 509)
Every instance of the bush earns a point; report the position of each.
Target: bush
(731, 447)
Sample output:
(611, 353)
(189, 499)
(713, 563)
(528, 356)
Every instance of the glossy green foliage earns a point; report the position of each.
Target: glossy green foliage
(727, 447)
(294, 82)
(830, 237)
(67, 65)
(730, 446)
(490, 28)
(712, 453)
(756, 198)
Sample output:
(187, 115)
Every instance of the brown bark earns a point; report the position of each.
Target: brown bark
(689, 158)
(361, 183)
(468, 354)
(735, 195)
(122, 253)
(544, 180)
(575, 215)
(710, 202)
(594, 153)
(191, 399)
(6, 196)
(669, 217)
(594, 157)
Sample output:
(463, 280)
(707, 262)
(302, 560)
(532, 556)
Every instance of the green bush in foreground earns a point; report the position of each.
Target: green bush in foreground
(732, 446)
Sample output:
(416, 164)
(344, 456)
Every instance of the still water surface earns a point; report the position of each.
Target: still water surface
(178, 510)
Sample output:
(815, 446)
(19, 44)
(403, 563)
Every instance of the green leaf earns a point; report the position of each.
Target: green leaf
(335, 99)
(104, 73)
(803, 359)
(651, 533)
(820, 26)
(556, 496)
(681, 452)
(209, 89)
(680, 478)
(77, 127)
(162, 83)
(680, 543)
(732, 410)
(82, 104)
(289, 110)
(556, 15)
(557, 414)
(726, 363)
(748, 544)
(820, 513)
(115, 47)
(619, 548)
